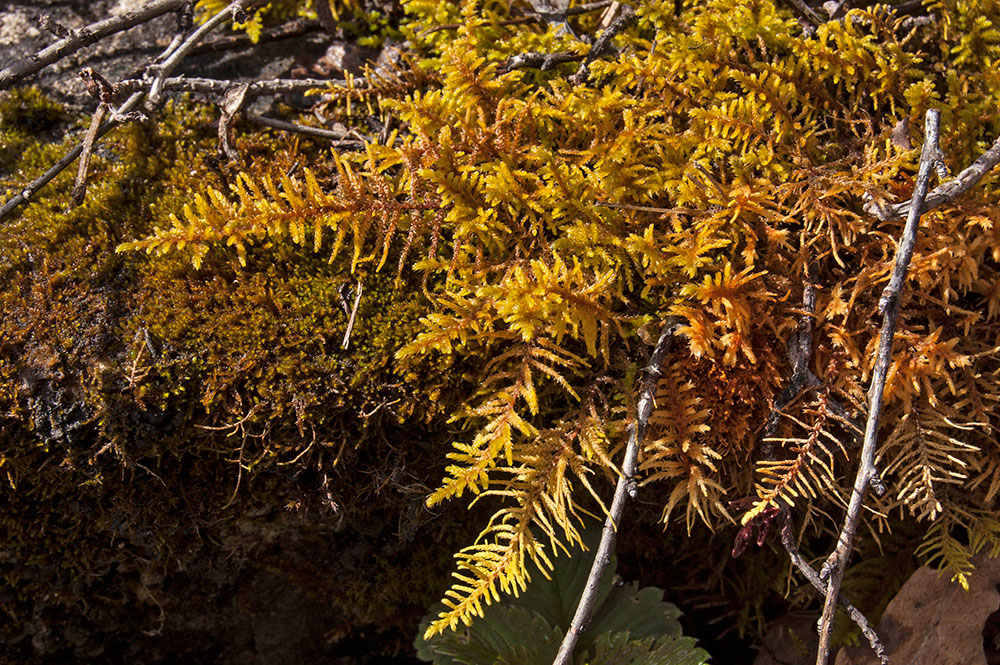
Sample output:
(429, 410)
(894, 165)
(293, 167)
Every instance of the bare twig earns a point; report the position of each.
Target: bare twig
(80, 186)
(799, 354)
(219, 86)
(945, 192)
(788, 540)
(164, 70)
(295, 28)
(867, 475)
(350, 322)
(602, 45)
(625, 488)
(805, 12)
(340, 139)
(85, 36)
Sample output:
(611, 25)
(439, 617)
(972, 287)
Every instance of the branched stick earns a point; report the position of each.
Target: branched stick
(170, 64)
(624, 488)
(137, 88)
(788, 540)
(85, 36)
(57, 168)
(833, 568)
(945, 192)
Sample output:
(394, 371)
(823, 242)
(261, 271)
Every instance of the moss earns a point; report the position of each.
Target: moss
(133, 467)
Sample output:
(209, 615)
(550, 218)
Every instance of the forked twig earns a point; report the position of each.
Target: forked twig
(867, 475)
(945, 192)
(624, 488)
(788, 540)
(85, 36)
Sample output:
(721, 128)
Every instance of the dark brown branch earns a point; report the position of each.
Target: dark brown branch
(325, 16)
(804, 12)
(799, 354)
(788, 540)
(85, 36)
(945, 192)
(53, 27)
(833, 568)
(624, 489)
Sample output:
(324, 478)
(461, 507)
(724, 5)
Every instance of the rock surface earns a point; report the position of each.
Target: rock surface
(933, 621)
(125, 54)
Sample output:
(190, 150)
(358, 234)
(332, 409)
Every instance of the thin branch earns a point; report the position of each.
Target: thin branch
(625, 488)
(85, 36)
(805, 12)
(164, 70)
(68, 158)
(867, 475)
(295, 28)
(340, 139)
(945, 192)
(788, 540)
(220, 86)
(80, 186)
(602, 45)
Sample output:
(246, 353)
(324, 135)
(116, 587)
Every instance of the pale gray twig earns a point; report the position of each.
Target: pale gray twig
(867, 475)
(84, 36)
(625, 488)
(945, 192)
(164, 70)
(350, 322)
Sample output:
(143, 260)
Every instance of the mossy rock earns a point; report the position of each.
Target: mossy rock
(183, 448)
